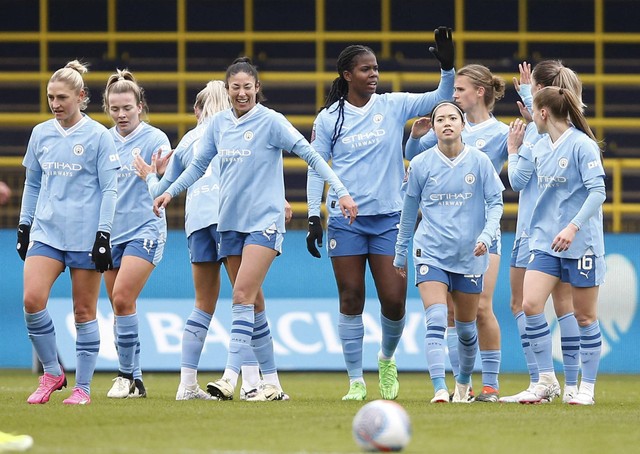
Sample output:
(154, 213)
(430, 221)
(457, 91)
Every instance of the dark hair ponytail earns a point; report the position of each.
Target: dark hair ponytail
(244, 65)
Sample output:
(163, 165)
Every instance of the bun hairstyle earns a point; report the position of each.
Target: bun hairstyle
(481, 76)
(212, 99)
(71, 75)
(123, 81)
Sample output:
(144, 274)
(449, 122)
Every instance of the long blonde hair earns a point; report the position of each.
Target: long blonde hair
(212, 99)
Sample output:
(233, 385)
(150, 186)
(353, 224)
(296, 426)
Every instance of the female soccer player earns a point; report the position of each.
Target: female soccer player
(460, 196)
(201, 222)
(138, 236)
(567, 239)
(67, 211)
(523, 178)
(476, 91)
(361, 133)
(249, 139)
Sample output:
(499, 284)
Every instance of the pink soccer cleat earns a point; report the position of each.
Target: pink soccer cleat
(77, 397)
(48, 384)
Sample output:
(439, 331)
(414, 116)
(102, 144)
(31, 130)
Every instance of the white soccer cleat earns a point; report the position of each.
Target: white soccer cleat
(221, 389)
(192, 393)
(441, 397)
(569, 393)
(121, 388)
(583, 398)
(267, 392)
(515, 399)
(543, 392)
(462, 394)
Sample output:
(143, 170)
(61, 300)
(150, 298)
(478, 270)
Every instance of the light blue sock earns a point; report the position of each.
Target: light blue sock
(590, 349)
(490, 367)
(532, 366)
(262, 344)
(467, 349)
(242, 320)
(43, 337)
(127, 340)
(391, 334)
(137, 372)
(436, 321)
(540, 340)
(351, 332)
(570, 342)
(452, 346)
(87, 348)
(193, 337)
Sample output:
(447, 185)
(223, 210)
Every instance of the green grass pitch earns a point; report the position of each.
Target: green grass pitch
(316, 420)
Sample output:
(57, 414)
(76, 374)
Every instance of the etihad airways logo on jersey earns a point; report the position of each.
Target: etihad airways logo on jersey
(233, 155)
(451, 199)
(545, 181)
(61, 169)
(367, 138)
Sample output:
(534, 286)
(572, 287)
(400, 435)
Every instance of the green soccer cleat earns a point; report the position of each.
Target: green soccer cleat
(388, 373)
(357, 391)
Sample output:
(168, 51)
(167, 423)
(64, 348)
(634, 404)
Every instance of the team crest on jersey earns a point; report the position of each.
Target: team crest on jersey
(563, 163)
(377, 118)
(332, 243)
(78, 150)
(248, 135)
(480, 143)
(469, 178)
(135, 152)
(424, 269)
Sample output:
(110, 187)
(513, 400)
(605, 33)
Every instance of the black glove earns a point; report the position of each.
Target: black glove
(101, 252)
(24, 231)
(444, 47)
(314, 234)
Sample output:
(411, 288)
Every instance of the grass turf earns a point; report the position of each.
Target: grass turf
(315, 420)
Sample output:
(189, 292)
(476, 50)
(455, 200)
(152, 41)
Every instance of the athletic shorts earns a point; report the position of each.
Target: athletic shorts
(520, 253)
(587, 271)
(232, 243)
(465, 283)
(149, 250)
(204, 244)
(80, 260)
(496, 245)
(367, 235)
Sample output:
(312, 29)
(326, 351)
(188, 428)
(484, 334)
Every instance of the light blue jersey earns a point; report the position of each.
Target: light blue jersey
(453, 196)
(75, 179)
(523, 178)
(251, 168)
(201, 207)
(368, 154)
(134, 217)
(489, 136)
(565, 170)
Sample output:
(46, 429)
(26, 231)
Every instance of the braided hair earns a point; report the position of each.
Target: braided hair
(339, 87)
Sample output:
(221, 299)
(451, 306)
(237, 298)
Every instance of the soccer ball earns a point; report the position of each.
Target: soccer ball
(382, 426)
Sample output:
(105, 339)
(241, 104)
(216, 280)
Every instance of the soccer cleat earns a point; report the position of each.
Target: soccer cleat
(543, 392)
(266, 392)
(388, 374)
(514, 399)
(570, 391)
(221, 389)
(77, 397)
(357, 391)
(48, 384)
(582, 399)
(192, 393)
(488, 394)
(462, 394)
(441, 397)
(472, 395)
(139, 391)
(121, 388)
(14, 443)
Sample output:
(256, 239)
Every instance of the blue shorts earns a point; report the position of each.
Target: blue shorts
(465, 283)
(496, 245)
(367, 235)
(149, 250)
(520, 253)
(587, 271)
(80, 260)
(232, 243)
(204, 244)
